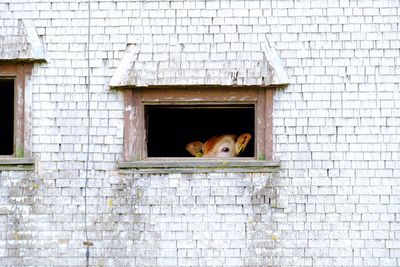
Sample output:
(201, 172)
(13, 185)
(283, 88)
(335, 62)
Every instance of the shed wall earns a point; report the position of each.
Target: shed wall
(336, 200)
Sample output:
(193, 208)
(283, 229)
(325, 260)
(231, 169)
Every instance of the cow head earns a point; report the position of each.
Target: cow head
(221, 146)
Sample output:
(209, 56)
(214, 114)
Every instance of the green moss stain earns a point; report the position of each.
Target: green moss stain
(19, 152)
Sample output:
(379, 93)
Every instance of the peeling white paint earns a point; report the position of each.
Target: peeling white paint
(37, 48)
(279, 74)
(22, 43)
(145, 65)
(123, 75)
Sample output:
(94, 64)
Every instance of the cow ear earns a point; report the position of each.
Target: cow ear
(242, 142)
(195, 148)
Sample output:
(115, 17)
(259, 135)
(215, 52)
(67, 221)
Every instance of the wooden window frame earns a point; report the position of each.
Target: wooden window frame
(21, 158)
(135, 99)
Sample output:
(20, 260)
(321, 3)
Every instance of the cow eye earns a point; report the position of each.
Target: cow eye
(225, 149)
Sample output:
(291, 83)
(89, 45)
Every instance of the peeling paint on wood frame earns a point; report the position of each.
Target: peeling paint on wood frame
(196, 165)
(136, 97)
(21, 74)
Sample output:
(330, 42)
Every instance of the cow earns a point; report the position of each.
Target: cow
(220, 146)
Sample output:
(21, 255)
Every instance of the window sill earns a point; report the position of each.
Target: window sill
(17, 164)
(179, 165)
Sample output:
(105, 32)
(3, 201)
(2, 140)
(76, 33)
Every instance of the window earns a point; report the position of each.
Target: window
(7, 116)
(170, 127)
(15, 134)
(160, 121)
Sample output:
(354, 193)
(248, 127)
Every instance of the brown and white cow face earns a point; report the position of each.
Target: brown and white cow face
(221, 146)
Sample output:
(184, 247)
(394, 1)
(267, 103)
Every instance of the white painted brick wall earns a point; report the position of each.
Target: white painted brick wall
(336, 201)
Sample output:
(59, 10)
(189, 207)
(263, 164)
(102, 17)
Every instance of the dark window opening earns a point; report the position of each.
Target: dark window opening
(7, 116)
(171, 128)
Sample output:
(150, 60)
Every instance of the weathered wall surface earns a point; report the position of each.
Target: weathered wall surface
(336, 132)
(196, 220)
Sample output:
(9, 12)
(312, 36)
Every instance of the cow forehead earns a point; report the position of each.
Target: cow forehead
(217, 141)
